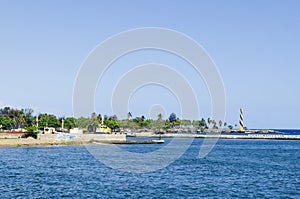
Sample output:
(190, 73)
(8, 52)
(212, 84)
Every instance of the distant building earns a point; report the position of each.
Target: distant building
(49, 130)
(76, 131)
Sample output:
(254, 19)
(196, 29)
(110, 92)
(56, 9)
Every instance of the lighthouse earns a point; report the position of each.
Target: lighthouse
(241, 120)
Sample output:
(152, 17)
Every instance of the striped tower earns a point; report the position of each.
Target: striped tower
(241, 120)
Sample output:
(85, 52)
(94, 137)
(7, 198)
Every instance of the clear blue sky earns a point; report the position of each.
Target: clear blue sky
(255, 45)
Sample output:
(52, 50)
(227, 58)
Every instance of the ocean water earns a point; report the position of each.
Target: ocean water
(289, 131)
(234, 169)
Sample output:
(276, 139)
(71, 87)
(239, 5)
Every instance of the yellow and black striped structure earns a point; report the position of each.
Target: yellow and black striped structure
(241, 120)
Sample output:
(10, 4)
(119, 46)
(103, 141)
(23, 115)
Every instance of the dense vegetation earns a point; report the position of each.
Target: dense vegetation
(11, 118)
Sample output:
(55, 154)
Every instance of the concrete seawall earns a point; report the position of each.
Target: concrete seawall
(69, 139)
(219, 136)
(83, 137)
(10, 136)
(104, 137)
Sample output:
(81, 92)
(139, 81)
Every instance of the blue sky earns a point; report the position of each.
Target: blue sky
(255, 45)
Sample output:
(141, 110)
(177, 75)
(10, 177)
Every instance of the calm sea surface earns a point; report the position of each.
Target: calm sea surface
(235, 168)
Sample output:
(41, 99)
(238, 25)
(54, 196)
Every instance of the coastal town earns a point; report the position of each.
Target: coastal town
(23, 121)
(22, 128)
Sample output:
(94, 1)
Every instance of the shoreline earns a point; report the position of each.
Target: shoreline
(110, 139)
(29, 142)
(219, 136)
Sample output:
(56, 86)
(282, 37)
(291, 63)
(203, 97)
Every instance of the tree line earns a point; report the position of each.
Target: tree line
(11, 118)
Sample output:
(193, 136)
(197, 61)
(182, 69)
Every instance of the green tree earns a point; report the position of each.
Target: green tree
(172, 117)
(157, 124)
(202, 124)
(4, 112)
(209, 122)
(186, 122)
(82, 122)
(16, 115)
(19, 118)
(46, 120)
(112, 122)
(6, 122)
(220, 123)
(214, 123)
(29, 119)
(177, 122)
(32, 129)
(141, 121)
(69, 122)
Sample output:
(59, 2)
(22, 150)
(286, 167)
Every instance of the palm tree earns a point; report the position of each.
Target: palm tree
(220, 123)
(208, 121)
(214, 124)
(19, 118)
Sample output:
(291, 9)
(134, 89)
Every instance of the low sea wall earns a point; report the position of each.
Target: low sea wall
(61, 139)
(12, 135)
(104, 137)
(46, 136)
(83, 137)
(219, 136)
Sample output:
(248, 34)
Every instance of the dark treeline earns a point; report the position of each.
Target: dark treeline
(11, 118)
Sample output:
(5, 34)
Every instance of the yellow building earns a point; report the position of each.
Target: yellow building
(103, 128)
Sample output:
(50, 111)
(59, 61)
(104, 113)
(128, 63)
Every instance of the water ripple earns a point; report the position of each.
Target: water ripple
(234, 169)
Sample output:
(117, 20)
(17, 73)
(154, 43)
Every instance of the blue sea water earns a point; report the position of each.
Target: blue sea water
(289, 131)
(234, 169)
